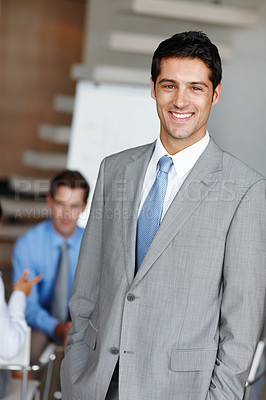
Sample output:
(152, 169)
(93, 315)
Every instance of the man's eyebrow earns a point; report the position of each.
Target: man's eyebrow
(199, 83)
(165, 80)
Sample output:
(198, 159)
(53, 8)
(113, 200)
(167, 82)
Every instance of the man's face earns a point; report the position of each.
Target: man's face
(66, 206)
(184, 98)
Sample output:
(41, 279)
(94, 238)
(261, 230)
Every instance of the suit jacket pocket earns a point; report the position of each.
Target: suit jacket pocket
(193, 359)
(90, 336)
(73, 364)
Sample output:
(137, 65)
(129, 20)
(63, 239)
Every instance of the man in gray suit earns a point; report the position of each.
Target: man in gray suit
(170, 308)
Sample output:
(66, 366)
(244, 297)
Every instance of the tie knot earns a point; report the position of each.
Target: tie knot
(63, 246)
(165, 163)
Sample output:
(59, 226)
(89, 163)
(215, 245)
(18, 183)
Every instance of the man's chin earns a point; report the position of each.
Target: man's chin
(65, 230)
(179, 134)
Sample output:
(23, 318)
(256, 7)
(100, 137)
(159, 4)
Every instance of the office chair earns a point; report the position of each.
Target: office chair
(25, 389)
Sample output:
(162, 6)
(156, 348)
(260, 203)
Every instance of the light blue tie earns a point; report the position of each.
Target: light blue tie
(151, 212)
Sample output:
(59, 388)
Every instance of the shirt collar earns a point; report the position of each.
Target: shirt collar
(58, 240)
(183, 160)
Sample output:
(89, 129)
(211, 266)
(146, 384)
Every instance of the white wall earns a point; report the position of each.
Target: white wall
(107, 118)
(239, 121)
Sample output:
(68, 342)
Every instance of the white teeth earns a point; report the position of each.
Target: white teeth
(182, 116)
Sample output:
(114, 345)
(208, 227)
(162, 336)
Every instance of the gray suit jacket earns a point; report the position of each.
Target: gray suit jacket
(186, 326)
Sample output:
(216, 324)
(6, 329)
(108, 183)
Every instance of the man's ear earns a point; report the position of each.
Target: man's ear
(49, 200)
(84, 206)
(216, 94)
(153, 94)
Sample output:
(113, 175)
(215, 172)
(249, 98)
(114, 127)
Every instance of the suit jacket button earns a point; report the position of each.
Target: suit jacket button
(212, 385)
(131, 297)
(114, 351)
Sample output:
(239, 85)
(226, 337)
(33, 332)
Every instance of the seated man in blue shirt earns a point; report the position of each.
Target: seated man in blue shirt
(40, 250)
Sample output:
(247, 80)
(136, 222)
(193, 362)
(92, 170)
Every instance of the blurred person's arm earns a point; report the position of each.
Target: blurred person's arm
(13, 325)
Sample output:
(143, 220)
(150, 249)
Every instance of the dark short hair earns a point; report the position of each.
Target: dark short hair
(71, 179)
(191, 44)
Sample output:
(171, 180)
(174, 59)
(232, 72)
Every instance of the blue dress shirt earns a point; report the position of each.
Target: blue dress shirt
(39, 251)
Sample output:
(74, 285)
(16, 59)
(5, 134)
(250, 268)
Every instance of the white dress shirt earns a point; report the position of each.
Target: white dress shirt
(13, 325)
(183, 161)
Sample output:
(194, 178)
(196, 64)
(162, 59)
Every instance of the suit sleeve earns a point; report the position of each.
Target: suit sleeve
(85, 288)
(243, 303)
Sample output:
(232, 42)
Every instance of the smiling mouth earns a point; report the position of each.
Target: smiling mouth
(182, 116)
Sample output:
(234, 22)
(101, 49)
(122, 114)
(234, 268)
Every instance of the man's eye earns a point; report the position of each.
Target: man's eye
(169, 86)
(196, 88)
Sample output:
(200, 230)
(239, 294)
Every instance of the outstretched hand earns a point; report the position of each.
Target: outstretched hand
(25, 285)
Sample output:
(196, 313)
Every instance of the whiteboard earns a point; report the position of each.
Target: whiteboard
(108, 118)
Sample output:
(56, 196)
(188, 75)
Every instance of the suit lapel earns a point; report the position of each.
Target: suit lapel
(134, 177)
(200, 181)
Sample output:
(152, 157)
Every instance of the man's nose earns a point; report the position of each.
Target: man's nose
(181, 98)
(66, 211)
